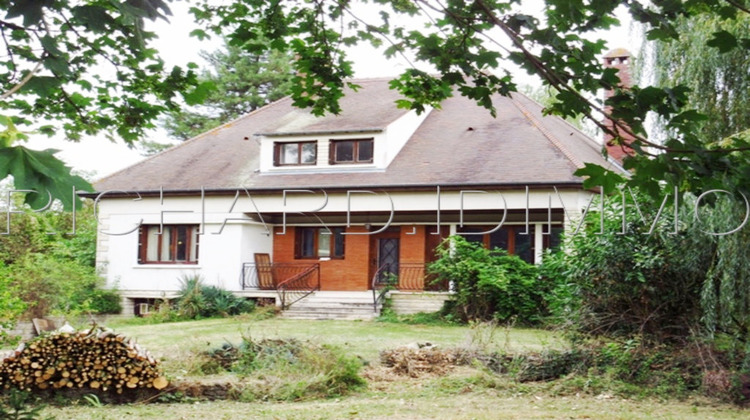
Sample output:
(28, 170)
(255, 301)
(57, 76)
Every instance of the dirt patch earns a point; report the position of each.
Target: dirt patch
(213, 391)
(416, 362)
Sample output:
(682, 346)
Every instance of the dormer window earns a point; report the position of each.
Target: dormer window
(295, 153)
(351, 151)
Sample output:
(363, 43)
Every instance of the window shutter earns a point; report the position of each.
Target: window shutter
(332, 153)
(276, 153)
(141, 243)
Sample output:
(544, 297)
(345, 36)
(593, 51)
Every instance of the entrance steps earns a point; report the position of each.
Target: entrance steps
(407, 303)
(333, 305)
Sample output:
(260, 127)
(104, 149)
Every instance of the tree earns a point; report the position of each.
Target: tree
(717, 77)
(705, 58)
(628, 273)
(467, 44)
(243, 82)
(78, 68)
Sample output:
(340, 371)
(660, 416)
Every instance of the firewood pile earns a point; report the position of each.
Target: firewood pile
(97, 360)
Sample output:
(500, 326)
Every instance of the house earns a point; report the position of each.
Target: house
(280, 201)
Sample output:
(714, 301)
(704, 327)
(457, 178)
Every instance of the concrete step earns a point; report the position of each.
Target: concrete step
(333, 305)
(327, 315)
(330, 308)
(411, 303)
(316, 302)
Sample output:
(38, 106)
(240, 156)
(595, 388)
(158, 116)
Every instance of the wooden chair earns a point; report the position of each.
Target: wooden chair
(265, 271)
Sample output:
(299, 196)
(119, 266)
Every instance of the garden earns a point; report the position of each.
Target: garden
(646, 324)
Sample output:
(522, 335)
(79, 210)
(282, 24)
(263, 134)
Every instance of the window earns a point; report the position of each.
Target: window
(351, 151)
(553, 238)
(512, 239)
(176, 244)
(319, 242)
(298, 153)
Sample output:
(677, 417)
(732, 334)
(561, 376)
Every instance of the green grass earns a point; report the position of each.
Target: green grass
(177, 343)
(474, 405)
(462, 393)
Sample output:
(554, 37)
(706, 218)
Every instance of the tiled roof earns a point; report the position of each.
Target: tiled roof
(460, 144)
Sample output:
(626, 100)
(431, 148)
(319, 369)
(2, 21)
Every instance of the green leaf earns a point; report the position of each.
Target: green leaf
(11, 134)
(200, 34)
(43, 173)
(597, 176)
(30, 10)
(724, 41)
(94, 18)
(199, 94)
(41, 85)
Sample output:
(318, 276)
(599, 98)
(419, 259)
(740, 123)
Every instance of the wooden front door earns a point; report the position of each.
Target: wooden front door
(384, 255)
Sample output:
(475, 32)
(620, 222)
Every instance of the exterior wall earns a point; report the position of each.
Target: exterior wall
(412, 245)
(231, 237)
(348, 273)
(220, 253)
(353, 271)
(422, 201)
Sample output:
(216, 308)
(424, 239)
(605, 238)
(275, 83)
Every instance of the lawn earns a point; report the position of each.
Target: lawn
(464, 393)
(176, 342)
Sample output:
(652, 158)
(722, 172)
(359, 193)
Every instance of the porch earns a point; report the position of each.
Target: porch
(299, 284)
(404, 277)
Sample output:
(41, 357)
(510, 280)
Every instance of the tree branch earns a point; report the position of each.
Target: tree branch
(382, 34)
(554, 80)
(739, 6)
(23, 81)
(14, 26)
(10, 54)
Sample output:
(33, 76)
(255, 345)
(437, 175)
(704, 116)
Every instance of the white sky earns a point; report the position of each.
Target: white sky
(98, 157)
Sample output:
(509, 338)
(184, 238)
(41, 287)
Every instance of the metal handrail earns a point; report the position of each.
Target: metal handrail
(273, 274)
(297, 289)
(247, 275)
(415, 277)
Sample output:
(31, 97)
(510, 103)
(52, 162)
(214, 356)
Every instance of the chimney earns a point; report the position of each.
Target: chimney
(618, 58)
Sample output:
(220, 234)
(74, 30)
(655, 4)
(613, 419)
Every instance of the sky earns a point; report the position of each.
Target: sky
(97, 157)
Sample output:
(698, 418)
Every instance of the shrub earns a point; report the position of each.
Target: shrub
(20, 405)
(11, 305)
(190, 301)
(198, 300)
(289, 370)
(103, 301)
(489, 284)
(220, 302)
(48, 285)
(609, 283)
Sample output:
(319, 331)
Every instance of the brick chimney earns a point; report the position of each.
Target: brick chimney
(618, 58)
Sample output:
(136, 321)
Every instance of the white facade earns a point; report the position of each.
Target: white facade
(231, 231)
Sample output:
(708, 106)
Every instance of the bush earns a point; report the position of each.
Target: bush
(11, 305)
(197, 300)
(20, 405)
(489, 284)
(609, 283)
(290, 370)
(103, 301)
(48, 285)
(190, 301)
(220, 302)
